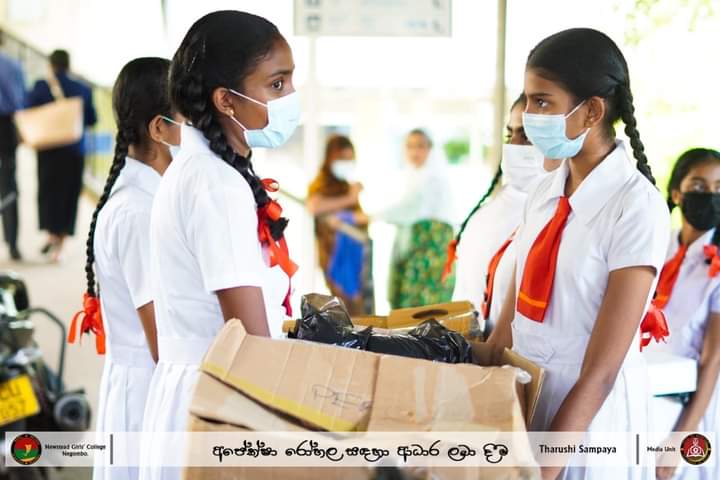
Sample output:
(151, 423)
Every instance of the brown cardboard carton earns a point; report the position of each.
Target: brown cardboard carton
(326, 386)
(260, 384)
(334, 388)
(413, 395)
(484, 355)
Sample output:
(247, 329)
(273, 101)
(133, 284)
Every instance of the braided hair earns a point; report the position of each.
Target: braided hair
(519, 102)
(219, 51)
(139, 95)
(587, 63)
(686, 162)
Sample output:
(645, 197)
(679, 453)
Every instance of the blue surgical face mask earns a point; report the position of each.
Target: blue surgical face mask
(547, 133)
(283, 119)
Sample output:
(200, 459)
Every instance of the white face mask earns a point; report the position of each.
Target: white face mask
(343, 170)
(521, 165)
(174, 149)
(283, 119)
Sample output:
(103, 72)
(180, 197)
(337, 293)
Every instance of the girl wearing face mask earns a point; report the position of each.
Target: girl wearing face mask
(484, 259)
(688, 292)
(332, 198)
(591, 244)
(118, 250)
(216, 236)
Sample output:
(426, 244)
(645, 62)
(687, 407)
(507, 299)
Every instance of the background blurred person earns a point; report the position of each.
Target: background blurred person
(12, 93)
(423, 216)
(688, 292)
(60, 170)
(484, 261)
(332, 199)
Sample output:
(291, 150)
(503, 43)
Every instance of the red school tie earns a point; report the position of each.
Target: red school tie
(490, 283)
(668, 277)
(539, 273)
(654, 324)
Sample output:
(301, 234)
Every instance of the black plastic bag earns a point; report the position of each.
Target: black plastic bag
(326, 320)
(430, 341)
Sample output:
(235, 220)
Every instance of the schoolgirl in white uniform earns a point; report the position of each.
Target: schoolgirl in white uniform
(689, 294)
(484, 261)
(216, 237)
(592, 243)
(119, 254)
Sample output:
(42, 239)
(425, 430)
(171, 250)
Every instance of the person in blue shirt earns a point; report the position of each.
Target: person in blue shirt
(60, 170)
(12, 93)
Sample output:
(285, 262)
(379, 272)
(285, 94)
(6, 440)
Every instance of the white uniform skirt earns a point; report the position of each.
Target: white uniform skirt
(626, 408)
(123, 390)
(168, 403)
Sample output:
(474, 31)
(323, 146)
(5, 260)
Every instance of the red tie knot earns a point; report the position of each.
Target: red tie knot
(91, 304)
(564, 205)
(270, 185)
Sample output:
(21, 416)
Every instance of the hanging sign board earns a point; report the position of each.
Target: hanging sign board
(374, 18)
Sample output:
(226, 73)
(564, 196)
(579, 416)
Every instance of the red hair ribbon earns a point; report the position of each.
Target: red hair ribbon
(279, 252)
(711, 253)
(654, 325)
(91, 322)
(451, 257)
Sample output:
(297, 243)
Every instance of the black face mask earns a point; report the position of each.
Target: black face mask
(701, 210)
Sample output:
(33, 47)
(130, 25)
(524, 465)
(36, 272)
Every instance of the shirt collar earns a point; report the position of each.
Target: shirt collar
(603, 182)
(140, 175)
(193, 140)
(697, 248)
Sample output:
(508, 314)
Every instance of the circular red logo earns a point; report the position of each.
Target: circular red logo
(26, 449)
(695, 449)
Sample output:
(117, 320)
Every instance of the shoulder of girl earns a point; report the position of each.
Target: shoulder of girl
(645, 200)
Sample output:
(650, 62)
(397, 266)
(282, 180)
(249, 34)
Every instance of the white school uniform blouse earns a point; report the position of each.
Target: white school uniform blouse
(484, 234)
(122, 266)
(694, 298)
(618, 220)
(203, 238)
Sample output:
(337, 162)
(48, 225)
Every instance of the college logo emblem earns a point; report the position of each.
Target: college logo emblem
(695, 449)
(26, 449)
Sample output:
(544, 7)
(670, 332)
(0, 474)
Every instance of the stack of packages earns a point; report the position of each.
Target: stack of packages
(333, 376)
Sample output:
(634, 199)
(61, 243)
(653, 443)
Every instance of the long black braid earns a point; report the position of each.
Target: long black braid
(219, 51)
(139, 95)
(493, 184)
(627, 114)
(122, 142)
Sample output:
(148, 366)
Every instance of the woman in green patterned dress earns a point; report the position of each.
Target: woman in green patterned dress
(422, 216)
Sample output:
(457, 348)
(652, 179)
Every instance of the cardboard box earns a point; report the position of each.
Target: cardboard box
(334, 388)
(261, 384)
(458, 316)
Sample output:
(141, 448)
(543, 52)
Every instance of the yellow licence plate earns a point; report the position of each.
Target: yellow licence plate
(17, 400)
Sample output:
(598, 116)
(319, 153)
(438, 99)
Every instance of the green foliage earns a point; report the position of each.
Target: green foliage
(648, 16)
(457, 150)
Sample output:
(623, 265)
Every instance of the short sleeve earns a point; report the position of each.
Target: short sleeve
(133, 244)
(222, 232)
(641, 234)
(715, 300)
